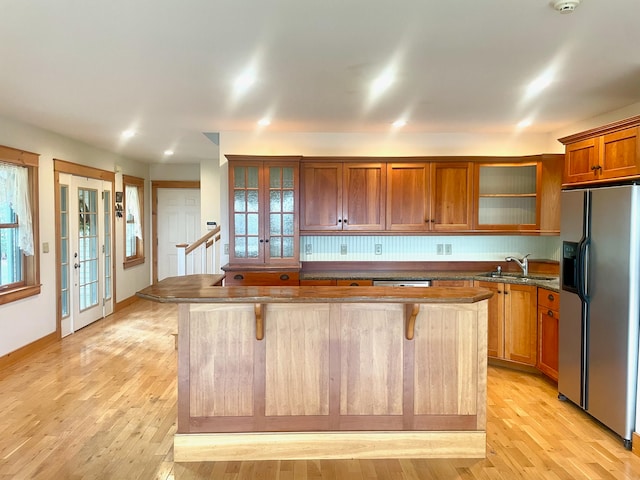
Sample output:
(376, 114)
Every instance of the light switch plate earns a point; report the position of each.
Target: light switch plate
(447, 249)
(308, 248)
(440, 249)
(343, 249)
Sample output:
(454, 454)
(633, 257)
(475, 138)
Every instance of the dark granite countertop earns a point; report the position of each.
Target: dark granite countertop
(548, 281)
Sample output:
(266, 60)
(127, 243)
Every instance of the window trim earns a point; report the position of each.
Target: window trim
(31, 284)
(138, 258)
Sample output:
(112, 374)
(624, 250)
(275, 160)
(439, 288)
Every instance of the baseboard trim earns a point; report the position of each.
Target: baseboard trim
(635, 443)
(27, 350)
(125, 303)
(216, 447)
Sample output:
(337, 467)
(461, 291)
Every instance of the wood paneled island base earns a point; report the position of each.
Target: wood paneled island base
(329, 372)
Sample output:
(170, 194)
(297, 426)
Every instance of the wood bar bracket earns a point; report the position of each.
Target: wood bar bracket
(259, 310)
(410, 313)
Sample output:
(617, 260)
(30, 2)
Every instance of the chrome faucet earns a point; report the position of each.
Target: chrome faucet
(523, 264)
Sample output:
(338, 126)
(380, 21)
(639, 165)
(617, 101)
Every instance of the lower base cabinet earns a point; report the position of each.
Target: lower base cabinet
(548, 325)
(512, 322)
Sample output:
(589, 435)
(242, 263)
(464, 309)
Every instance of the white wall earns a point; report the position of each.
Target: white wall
(30, 319)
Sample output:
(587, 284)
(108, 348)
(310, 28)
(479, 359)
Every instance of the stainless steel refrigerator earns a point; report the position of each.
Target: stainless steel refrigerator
(600, 303)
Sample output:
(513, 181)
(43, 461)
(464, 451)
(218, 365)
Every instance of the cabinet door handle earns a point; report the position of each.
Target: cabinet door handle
(238, 277)
(432, 220)
(354, 284)
(551, 297)
(499, 291)
(284, 276)
(550, 313)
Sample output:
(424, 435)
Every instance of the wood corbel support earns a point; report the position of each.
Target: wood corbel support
(259, 311)
(410, 314)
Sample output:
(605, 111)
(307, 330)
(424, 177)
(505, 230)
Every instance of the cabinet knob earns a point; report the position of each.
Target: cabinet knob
(238, 277)
(346, 221)
(550, 313)
(551, 297)
(339, 220)
(284, 276)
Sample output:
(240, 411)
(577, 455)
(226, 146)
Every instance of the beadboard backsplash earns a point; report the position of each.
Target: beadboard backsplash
(427, 248)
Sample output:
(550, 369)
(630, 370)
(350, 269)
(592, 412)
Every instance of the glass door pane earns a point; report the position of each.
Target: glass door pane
(88, 248)
(281, 216)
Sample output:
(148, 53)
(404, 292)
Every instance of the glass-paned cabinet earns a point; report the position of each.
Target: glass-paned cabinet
(264, 210)
(507, 196)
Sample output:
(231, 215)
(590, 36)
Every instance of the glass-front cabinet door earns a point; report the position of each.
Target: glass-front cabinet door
(264, 212)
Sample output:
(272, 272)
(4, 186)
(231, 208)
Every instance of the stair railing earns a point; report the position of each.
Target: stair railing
(202, 256)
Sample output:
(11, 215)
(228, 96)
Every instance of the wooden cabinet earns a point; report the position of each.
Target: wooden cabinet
(261, 278)
(354, 283)
(507, 196)
(603, 154)
(519, 196)
(548, 326)
(452, 283)
(512, 322)
(263, 210)
(343, 196)
(432, 196)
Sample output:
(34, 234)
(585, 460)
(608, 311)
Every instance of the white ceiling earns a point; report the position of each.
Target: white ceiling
(89, 69)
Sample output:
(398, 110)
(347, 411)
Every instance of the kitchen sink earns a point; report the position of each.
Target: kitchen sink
(516, 276)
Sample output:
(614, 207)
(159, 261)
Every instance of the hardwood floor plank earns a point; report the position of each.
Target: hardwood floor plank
(101, 404)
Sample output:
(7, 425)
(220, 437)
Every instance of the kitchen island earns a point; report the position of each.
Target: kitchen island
(328, 372)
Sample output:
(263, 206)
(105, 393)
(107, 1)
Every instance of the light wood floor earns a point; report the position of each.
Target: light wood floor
(101, 404)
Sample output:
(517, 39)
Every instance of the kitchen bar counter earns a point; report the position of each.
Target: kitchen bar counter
(328, 372)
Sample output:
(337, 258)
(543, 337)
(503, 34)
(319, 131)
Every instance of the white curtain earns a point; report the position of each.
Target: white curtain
(133, 209)
(14, 181)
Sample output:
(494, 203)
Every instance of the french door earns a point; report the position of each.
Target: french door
(85, 217)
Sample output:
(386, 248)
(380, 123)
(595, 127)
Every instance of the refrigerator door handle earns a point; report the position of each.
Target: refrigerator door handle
(583, 268)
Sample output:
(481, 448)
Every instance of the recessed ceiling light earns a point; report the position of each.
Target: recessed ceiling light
(539, 84)
(168, 152)
(382, 83)
(524, 123)
(399, 123)
(128, 133)
(244, 82)
(264, 122)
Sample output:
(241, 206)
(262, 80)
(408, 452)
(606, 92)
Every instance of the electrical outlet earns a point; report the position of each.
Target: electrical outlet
(447, 249)
(308, 248)
(440, 249)
(343, 249)
(226, 249)
(378, 249)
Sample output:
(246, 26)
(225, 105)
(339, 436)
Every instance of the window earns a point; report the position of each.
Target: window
(133, 215)
(19, 262)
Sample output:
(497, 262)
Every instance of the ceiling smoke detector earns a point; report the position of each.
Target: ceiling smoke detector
(566, 6)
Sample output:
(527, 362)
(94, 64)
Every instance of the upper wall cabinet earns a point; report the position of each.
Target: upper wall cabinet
(432, 196)
(341, 196)
(604, 154)
(507, 196)
(263, 210)
(519, 196)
